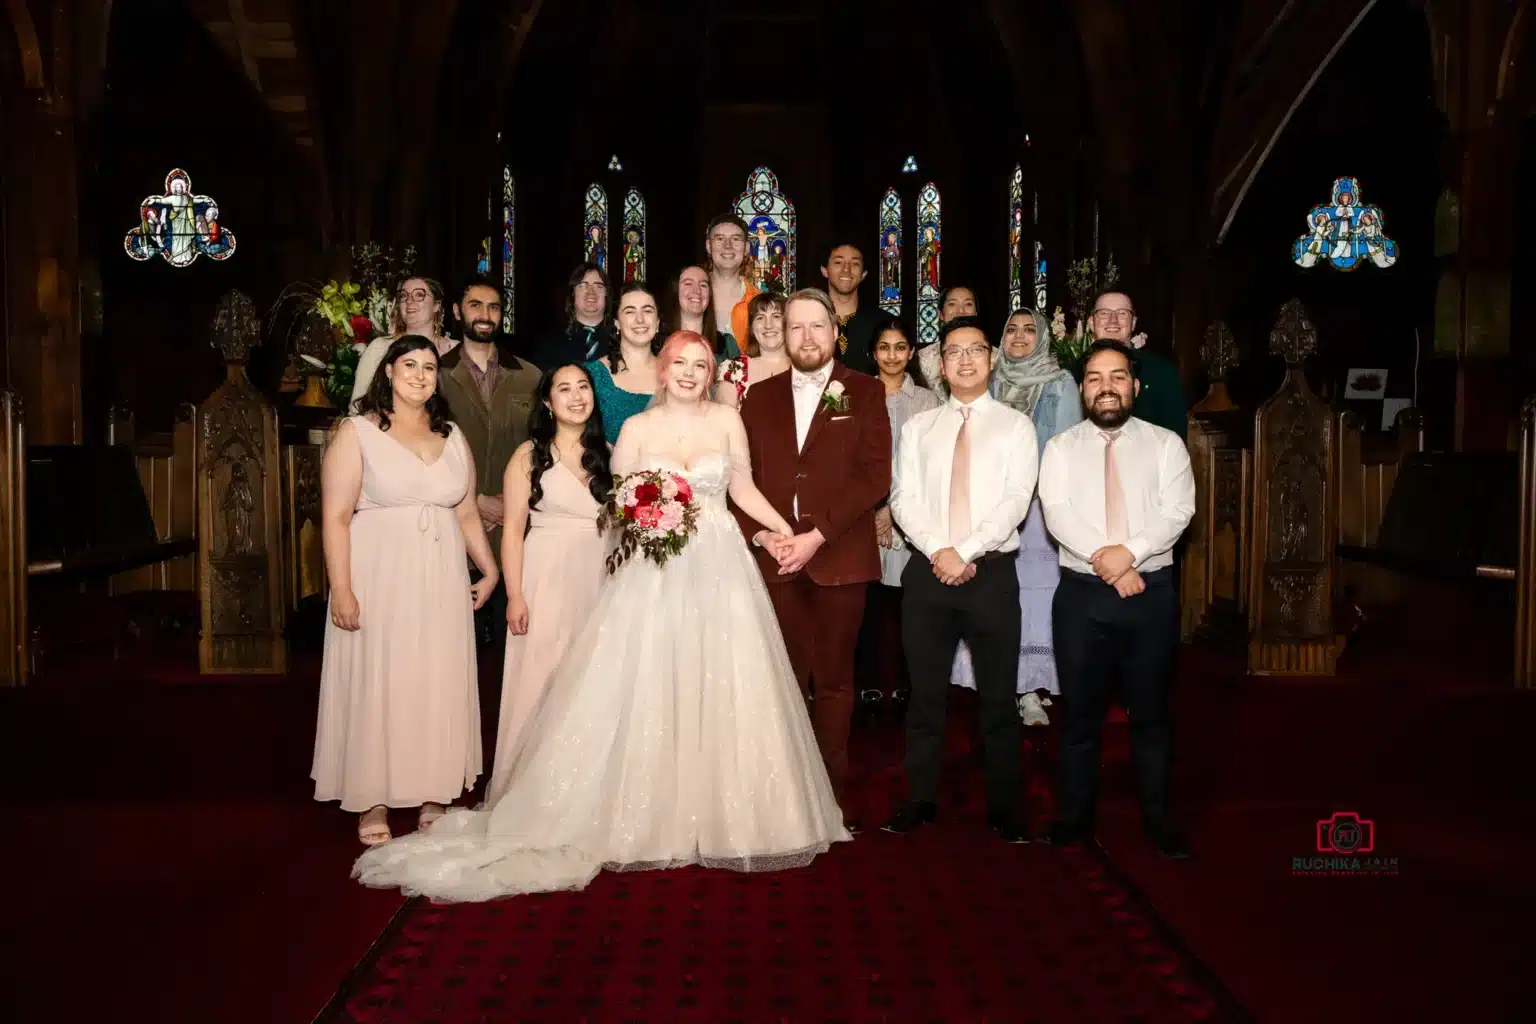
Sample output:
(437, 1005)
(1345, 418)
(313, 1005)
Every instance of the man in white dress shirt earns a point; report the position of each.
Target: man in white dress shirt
(964, 478)
(1117, 492)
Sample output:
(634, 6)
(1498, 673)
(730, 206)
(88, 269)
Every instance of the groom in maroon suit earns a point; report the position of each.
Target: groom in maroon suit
(821, 453)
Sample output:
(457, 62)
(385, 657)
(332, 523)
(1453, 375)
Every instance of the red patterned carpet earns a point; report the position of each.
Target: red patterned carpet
(168, 865)
(948, 924)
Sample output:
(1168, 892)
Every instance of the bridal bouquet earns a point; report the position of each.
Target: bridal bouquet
(655, 512)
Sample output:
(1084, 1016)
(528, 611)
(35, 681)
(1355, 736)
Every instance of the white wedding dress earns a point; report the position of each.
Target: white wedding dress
(674, 733)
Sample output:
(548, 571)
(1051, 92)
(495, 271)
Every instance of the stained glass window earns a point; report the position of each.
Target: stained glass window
(1345, 233)
(890, 252)
(483, 260)
(634, 236)
(910, 167)
(508, 251)
(1016, 239)
(595, 227)
(179, 226)
(770, 219)
(613, 163)
(930, 242)
(1040, 305)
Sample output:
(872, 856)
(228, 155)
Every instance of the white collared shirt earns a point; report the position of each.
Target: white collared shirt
(1004, 460)
(1155, 475)
(807, 398)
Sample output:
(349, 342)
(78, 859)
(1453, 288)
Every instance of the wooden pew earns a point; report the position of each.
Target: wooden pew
(78, 515)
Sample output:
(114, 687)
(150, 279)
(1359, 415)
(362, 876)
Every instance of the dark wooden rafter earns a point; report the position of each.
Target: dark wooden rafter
(27, 44)
(258, 36)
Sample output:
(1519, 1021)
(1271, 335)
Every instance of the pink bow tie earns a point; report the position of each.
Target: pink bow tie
(810, 380)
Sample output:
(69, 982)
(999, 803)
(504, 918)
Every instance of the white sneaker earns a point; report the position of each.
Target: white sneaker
(1031, 711)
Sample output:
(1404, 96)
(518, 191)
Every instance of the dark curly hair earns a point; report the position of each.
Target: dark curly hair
(541, 431)
(616, 353)
(380, 399)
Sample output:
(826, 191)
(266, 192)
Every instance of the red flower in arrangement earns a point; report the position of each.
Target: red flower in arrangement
(362, 329)
(655, 514)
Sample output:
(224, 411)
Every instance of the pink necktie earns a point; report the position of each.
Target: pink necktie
(1115, 530)
(960, 481)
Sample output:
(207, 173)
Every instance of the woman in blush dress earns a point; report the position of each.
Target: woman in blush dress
(904, 398)
(555, 486)
(1028, 378)
(765, 356)
(625, 382)
(399, 717)
(417, 308)
(676, 734)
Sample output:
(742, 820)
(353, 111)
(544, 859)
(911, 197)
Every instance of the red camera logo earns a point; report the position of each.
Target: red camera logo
(1346, 832)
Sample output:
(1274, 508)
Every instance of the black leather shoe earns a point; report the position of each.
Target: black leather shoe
(1010, 828)
(1169, 841)
(1061, 834)
(910, 816)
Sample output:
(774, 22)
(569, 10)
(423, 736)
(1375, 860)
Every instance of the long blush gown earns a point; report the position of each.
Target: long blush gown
(563, 570)
(673, 734)
(399, 720)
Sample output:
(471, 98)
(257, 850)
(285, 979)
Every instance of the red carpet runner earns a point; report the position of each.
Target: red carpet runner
(947, 924)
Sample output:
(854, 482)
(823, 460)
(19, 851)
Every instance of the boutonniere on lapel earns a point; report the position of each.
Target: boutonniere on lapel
(834, 399)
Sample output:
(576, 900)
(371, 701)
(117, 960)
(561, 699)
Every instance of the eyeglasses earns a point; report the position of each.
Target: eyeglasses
(592, 286)
(975, 353)
(1105, 316)
(729, 241)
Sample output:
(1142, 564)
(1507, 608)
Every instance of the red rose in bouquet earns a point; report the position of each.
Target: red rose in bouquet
(362, 329)
(655, 512)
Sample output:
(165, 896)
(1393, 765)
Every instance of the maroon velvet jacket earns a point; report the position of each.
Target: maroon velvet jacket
(842, 474)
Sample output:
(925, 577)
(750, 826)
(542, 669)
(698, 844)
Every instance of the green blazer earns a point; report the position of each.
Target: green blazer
(1161, 400)
(493, 433)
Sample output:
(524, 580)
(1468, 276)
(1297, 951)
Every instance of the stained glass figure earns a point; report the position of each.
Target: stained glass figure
(890, 252)
(770, 221)
(613, 163)
(1039, 260)
(508, 251)
(930, 242)
(634, 236)
(483, 260)
(595, 227)
(1016, 238)
(1344, 233)
(179, 226)
(910, 167)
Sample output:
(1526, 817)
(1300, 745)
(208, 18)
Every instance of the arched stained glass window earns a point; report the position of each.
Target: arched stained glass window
(483, 257)
(634, 236)
(1039, 262)
(595, 226)
(179, 226)
(930, 244)
(890, 252)
(770, 218)
(1345, 233)
(508, 251)
(1016, 239)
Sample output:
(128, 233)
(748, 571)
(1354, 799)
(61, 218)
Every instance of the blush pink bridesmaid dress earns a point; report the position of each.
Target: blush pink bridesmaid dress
(399, 720)
(563, 570)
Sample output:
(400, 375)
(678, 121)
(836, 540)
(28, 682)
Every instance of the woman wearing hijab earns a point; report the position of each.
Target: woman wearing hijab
(1027, 377)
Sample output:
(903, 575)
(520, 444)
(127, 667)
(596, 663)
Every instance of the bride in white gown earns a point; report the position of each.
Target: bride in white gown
(674, 732)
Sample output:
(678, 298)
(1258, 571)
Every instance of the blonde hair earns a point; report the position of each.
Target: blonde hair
(815, 295)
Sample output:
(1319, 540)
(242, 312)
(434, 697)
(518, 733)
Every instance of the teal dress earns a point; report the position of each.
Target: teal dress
(616, 404)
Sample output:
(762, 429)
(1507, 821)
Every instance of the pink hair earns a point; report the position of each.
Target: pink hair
(675, 343)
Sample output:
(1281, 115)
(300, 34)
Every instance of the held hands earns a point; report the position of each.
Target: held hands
(481, 590)
(517, 615)
(345, 612)
(883, 527)
(491, 509)
(951, 569)
(794, 552)
(1112, 564)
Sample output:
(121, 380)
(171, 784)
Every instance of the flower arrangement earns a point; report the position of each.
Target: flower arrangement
(356, 310)
(656, 513)
(1069, 346)
(340, 373)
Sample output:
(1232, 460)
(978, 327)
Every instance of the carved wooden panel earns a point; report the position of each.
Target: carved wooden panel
(239, 547)
(1215, 557)
(1295, 452)
(303, 556)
